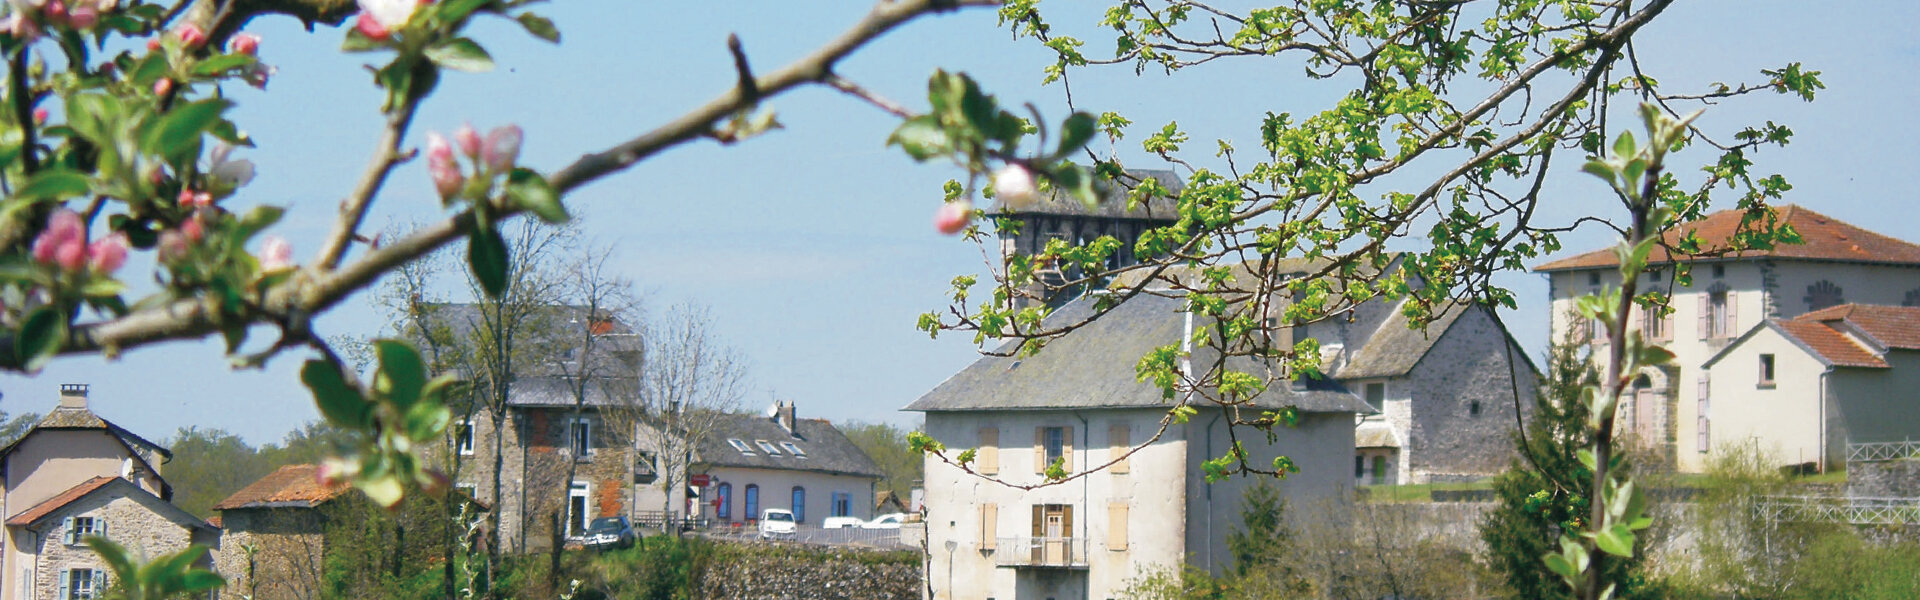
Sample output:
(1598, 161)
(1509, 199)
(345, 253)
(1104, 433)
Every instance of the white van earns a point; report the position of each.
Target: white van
(777, 522)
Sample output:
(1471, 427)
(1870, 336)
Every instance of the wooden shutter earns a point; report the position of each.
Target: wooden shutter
(1703, 408)
(989, 525)
(1066, 521)
(1705, 313)
(1116, 527)
(67, 533)
(1121, 442)
(1733, 314)
(987, 459)
(1066, 448)
(1039, 449)
(1039, 520)
(65, 576)
(100, 526)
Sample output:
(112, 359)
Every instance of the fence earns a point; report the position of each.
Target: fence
(1857, 511)
(667, 520)
(1882, 451)
(1040, 552)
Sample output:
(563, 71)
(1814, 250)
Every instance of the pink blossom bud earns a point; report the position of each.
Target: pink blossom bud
(39, 116)
(162, 87)
(153, 44)
(55, 13)
(371, 27)
(447, 178)
(276, 254)
(1013, 185)
(190, 34)
(468, 139)
(334, 471)
(71, 255)
(108, 253)
(193, 229)
(502, 148)
(83, 17)
(244, 43)
(953, 217)
(64, 229)
(173, 246)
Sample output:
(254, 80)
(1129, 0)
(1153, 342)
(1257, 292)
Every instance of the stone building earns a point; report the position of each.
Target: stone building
(1057, 216)
(1730, 294)
(1803, 389)
(73, 475)
(758, 462)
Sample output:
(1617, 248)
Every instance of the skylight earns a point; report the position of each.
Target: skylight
(797, 452)
(740, 445)
(767, 447)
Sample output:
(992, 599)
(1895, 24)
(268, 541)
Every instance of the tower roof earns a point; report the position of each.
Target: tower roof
(1825, 238)
(1113, 202)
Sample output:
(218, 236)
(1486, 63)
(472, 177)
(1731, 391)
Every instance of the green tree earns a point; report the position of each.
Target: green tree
(210, 464)
(887, 445)
(12, 428)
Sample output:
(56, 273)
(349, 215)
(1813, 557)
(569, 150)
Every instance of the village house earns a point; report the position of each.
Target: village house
(75, 475)
(1802, 389)
(756, 462)
(1730, 295)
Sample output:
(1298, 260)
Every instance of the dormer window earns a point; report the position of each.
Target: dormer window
(794, 449)
(741, 445)
(767, 447)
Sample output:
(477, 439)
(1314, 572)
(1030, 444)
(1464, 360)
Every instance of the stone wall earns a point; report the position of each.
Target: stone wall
(271, 553)
(1885, 479)
(825, 575)
(130, 521)
(1463, 402)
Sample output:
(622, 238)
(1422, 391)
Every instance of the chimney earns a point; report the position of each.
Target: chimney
(785, 418)
(73, 395)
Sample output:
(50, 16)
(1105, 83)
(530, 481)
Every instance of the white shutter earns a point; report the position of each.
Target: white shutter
(65, 576)
(1704, 407)
(66, 532)
(100, 526)
(1703, 313)
(99, 584)
(1733, 313)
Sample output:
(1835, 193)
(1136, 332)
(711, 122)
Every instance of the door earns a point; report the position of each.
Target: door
(1056, 535)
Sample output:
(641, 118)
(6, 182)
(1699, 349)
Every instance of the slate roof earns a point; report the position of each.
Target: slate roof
(1373, 434)
(827, 450)
(557, 327)
(68, 417)
(1825, 238)
(41, 511)
(1113, 202)
(1394, 349)
(292, 486)
(557, 392)
(1093, 367)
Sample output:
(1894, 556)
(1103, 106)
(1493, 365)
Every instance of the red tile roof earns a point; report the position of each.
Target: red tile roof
(46, 507)
(292, 485)
(1825, 238)
(1889, 326)
(1835, 347)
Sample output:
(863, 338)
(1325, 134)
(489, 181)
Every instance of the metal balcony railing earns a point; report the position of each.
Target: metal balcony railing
(1061, 552)
(1882, 451)
(1856, 511)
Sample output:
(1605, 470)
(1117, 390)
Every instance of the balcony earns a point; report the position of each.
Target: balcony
(1041, 552)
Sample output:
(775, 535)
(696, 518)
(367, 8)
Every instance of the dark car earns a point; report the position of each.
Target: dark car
(609, 532)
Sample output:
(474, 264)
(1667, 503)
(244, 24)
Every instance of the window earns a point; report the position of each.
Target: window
(1376, 394)
(1704, 408)
(1717, 313)
(842, 504)
(1379, 469)
(78, 528)
(463, 437)
(723, 501)
(1593, 278)
(1823, 294)
(986, 459)
(1719, 271)
(577, 508)
(470, 490)
(1656, 275)
(1055, 444)
(1766, 370)
(80, 584)
(740, 445)
(793, 449)
(799, 504)
(1654, 325)
(1359, 467)
(753, 502)
(1912, 298)
(581, 435)
(1473, 408)
(767, 447)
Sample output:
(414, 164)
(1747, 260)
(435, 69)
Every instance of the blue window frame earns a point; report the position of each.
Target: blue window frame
(753, 501)
(799, 504)
(725, 495)
(842, 504)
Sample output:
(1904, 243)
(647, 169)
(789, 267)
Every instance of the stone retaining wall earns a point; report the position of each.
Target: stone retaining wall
(786, 573)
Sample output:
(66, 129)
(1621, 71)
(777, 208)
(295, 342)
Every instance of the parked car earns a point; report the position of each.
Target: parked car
(886, 521)
(777, 523)
(844, 523)
(609, 532)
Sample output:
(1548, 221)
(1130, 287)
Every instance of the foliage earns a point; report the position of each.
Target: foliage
(11, 429)
(164, 577)
(887, 444)
(208, 465)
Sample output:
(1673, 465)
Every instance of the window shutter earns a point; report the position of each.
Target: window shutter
(1704, 313)
(1116, 527)
(1039, 449)
(1039, 520)
(1733, 314)
(1066, 448)
(1704, 406)
(66, 531)
(987, 459)
(989, 524)
(99, 584)
(1121, 442)
(1066, 521)
(65, 576)
(100, 527)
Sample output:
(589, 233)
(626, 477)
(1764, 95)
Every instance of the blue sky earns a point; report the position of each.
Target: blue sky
(813, 245)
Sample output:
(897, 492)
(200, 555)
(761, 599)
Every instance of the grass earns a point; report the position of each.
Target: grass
(1418, 492)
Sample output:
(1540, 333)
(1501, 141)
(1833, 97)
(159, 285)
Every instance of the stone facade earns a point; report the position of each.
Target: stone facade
(272, 553)
(536, 463)
(132, 518)
(822, 575)
(1884, 479)
(1462, 402)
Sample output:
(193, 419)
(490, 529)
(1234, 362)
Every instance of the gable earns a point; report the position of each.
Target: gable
(48, 461)
(94, 495)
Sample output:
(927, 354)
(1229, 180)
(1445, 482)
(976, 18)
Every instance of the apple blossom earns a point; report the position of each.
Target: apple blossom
(502, 147)
(447, 178)
(1013, 185)
(21, 26)
(153, 44)
(173, 246)
(257, 74)
(195, 199)
(276, 254)
(55, 12)
(190, 34)
(64, 230)
(378, 18)
(40, 116)
(83, 16)
(953, 216)
(108, 253)
(239, 172)
(244, 43)
(468, 139)
(162, 86)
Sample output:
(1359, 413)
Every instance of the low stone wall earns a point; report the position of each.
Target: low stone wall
(783, 572)
(1884, 479)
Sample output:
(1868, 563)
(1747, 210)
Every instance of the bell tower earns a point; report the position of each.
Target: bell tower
(1058, 216)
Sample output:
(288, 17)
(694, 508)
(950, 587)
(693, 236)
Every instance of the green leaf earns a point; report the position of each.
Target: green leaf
(259, 218)
(338, 401)
(1624, 146)
(922, 138)
(427, 420)
(359, 42)
(40, 337)
(528, 190)
(461, 54)
(221, 64)
(385, 491)
(455, 10)
(539, 26)
(487, 256)
(402, 370)
(54, 184)
(180, 128)
(1075, 133)
(1616, 540)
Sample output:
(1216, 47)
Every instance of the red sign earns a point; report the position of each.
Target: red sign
(701, 480)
